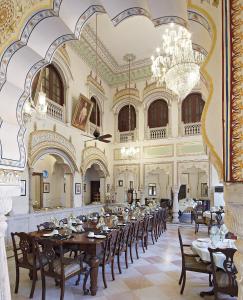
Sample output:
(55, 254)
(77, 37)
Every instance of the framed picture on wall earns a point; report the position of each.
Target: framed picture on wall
(46, 187)
(204, 190)
(22, 187)
(120, 182)
(77, 188)
(85, 187)
(82, 113)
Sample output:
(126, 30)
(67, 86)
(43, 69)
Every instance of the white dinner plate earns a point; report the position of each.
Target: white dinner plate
(100, 236)
(205, 240)
(48, 234)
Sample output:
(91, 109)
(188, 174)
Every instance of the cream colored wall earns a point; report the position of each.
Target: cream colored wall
(173, 150)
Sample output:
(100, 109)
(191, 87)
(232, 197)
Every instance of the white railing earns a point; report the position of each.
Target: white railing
(192, 129)
(157, 133)
(55, 110)
(126, 136)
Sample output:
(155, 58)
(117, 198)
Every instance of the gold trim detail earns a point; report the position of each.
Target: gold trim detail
(216, 160)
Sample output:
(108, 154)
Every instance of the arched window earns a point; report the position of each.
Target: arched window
(192, 107)
(95, 113)
(123, 119)
(52, 84)
(158, 114)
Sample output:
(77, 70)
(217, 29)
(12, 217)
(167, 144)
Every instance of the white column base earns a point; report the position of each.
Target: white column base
(5, 293)
(175, 219)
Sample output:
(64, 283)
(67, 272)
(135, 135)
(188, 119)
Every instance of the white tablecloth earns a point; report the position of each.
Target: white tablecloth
(185, 204)
(207, 214)
(201, 249)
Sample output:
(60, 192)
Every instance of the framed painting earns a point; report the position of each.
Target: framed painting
(204, 190)
(77, 188)
(82, 113)
(46, 187)
(120, 182)
(22, 187)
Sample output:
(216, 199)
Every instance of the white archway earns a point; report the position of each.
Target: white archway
(42, 34)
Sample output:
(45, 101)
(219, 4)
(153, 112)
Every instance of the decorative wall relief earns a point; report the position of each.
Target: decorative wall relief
(184, 149)
(158, 151)
(93, 155)
(46, 141)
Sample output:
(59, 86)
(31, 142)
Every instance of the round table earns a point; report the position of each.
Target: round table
(200, 247)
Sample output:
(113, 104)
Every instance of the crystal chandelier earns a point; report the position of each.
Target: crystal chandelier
(129, 152)
(176, 63)
(40, 107)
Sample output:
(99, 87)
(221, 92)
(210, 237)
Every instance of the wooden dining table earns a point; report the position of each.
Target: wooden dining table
(91, 246)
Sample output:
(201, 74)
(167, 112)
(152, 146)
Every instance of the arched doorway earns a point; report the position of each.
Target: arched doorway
(51, 183)
(94, 185)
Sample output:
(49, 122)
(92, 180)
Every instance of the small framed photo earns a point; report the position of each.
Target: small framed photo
(84, 187)
(120, 182)
(22, 187)
(77, 188)
(46, 187)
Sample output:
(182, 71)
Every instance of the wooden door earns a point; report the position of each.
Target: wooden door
(95, 191)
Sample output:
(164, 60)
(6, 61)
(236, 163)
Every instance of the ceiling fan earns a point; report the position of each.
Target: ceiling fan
(96, 134)
(97, 137)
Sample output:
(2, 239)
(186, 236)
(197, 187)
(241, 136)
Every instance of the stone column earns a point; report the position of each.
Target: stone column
(175, 205)
(9, 187)
(233, 195)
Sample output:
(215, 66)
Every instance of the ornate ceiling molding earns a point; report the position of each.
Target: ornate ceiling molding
(109, 69)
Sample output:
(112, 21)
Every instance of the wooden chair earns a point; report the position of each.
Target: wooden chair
(189, 263)
(122, 245)
(83, 218)
(153, 227)
(25, 257)
(109, 254)
(54, 264)
(45, 225)
(132, 238)
(198, 217)
(224, 281)
(142, 235)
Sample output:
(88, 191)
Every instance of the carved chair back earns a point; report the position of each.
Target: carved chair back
(225, 283)
(24, 251)
(110, 247)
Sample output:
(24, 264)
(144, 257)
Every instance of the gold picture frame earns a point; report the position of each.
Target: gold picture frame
(82, 113)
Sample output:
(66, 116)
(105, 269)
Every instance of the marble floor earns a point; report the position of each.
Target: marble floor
(154, 276)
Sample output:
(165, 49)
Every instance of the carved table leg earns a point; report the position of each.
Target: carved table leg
(94, 268)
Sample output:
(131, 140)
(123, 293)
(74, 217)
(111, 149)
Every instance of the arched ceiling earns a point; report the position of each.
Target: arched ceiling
(136, 35)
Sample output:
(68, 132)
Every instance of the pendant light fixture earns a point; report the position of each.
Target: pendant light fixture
(131, 151)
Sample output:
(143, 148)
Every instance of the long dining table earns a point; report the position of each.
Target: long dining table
(92, 246)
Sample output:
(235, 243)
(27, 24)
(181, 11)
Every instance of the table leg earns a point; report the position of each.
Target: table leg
(94, 268)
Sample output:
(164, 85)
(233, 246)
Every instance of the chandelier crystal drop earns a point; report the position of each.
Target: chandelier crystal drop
(176, 64)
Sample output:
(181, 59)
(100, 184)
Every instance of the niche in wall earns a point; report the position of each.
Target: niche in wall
(94, 181)
(51, 183)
